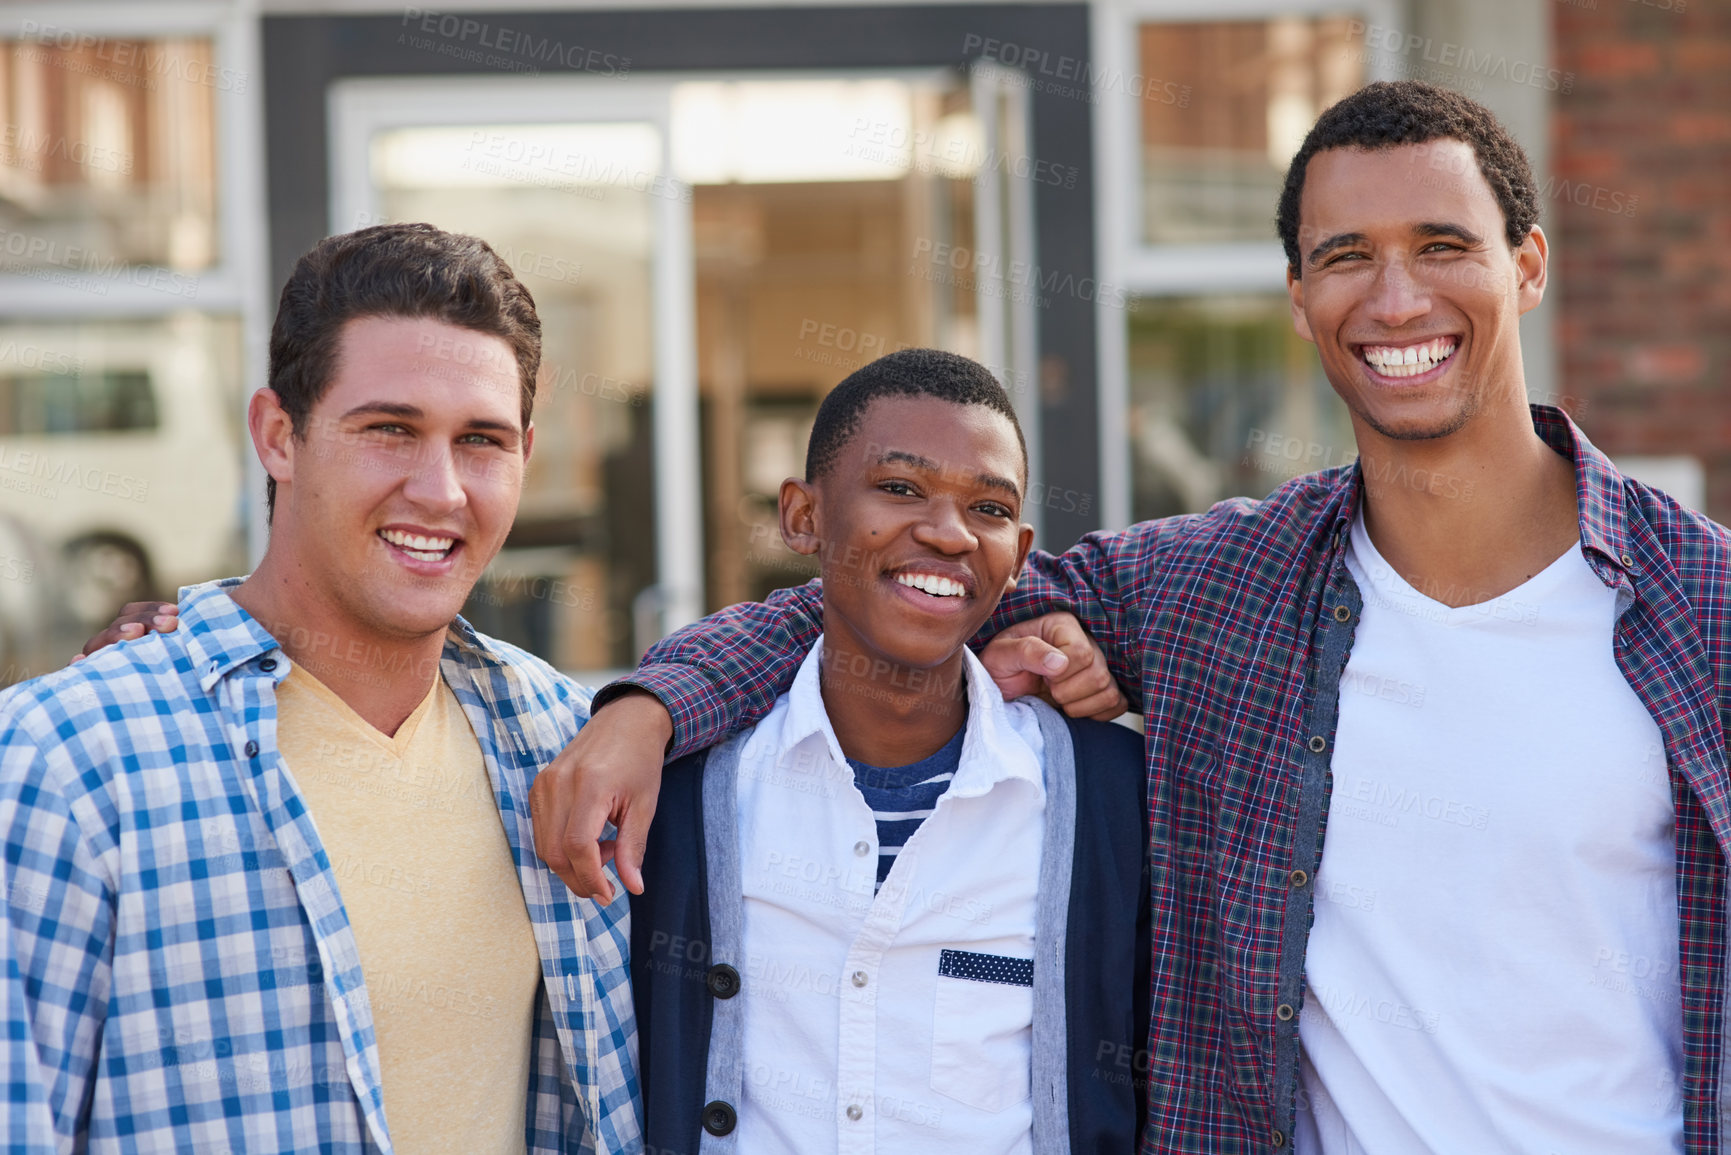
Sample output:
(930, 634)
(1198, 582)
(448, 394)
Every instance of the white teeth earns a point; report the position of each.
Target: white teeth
(1409, 360)
(418, 547)
(940, 587)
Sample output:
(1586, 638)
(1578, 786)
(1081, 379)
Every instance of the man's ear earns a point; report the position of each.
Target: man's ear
(272, 435)
(1024, 543)
(799, 516)
(1295, 295)
(1532, 264)
(528, 442)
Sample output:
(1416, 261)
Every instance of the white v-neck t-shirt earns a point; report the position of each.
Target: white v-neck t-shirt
(1493, 963)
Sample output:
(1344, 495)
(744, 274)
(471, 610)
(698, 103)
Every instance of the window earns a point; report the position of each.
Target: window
(108, 152)
(125, 299)
(1237, 100)
(1220, 397)
(116, 401)
(1225, 401)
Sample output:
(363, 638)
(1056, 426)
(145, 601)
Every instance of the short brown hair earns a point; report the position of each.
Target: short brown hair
(397, 270)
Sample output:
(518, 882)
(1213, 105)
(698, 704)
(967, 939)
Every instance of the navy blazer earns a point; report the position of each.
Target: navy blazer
(1107, 979)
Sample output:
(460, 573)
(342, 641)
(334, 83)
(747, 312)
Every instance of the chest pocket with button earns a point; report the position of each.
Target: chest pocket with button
(983, 1029)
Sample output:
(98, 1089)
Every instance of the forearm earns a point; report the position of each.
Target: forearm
(723, 673)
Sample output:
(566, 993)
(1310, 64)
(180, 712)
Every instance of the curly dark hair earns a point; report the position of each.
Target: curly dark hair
(905, 373)
(1395, 112)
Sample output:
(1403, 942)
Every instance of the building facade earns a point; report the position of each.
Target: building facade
(723, 209)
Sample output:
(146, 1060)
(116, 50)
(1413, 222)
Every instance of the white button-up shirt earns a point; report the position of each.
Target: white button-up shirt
(853, 1041)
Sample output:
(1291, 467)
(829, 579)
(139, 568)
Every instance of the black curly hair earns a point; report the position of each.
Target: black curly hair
(905, 373)
(1394, 112)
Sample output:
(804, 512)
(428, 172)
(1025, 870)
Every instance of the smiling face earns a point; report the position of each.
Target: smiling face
(1410, 290)
(917, 524)
(407, 477)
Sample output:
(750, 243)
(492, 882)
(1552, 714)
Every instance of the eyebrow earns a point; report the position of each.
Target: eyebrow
(415, 412)
(1446, 229)
(385, 409)
(990, 480)
(1422, 229)
(1337, 241)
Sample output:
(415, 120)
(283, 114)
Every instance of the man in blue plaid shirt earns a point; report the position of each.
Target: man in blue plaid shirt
(1436, 741)
(269, 878)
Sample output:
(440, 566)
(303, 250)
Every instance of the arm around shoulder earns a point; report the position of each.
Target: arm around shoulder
(718, 675)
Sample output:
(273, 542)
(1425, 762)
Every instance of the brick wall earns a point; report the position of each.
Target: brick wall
(1639, 215)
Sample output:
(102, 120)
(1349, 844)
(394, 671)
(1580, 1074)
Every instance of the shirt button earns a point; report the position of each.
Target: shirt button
(1283, 1012)
(719, 1118)
(252, 749)
(267, 665)
(1278, 1139)
(1298, 878)
(1318, 744)
(1342, 613)
(862, 848)
(1628, 562)
(854, 1112)
(860, 978)
(723, 981)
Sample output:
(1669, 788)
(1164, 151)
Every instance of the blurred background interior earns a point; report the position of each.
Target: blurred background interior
(723, 209)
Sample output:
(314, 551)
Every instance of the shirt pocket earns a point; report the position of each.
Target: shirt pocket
(983, 1029)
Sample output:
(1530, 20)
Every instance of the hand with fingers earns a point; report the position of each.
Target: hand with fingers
(1053, 656)
(133, 621)
(611, 772)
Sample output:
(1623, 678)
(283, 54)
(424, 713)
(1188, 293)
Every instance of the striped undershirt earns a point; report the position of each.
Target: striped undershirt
(901, 797)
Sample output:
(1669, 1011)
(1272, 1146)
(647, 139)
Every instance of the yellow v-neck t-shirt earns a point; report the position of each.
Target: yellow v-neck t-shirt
(426, 874)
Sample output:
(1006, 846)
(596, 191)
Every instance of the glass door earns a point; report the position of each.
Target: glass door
(837, 218)
(571, 184)
(710, 256)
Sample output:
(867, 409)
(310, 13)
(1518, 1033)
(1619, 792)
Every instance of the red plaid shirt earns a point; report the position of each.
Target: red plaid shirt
(1230, 630)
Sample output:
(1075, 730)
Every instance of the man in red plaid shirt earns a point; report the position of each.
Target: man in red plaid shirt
(1436, 762)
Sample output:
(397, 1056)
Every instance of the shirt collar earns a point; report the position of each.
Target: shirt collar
(992, 748)
(221, 637)
(1598, 490)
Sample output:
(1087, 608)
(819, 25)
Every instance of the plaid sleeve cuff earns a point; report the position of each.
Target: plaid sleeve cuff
(699, 716)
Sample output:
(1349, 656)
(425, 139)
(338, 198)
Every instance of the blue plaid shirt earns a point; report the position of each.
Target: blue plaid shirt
(181, 973)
